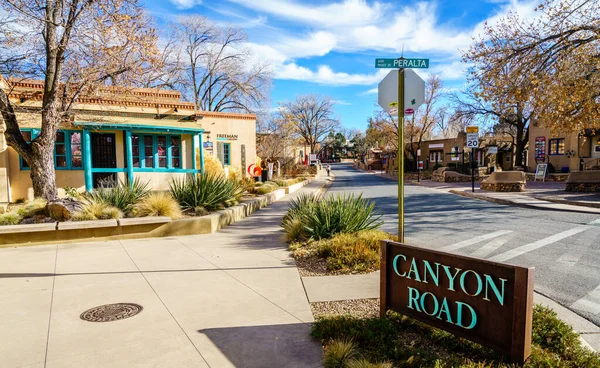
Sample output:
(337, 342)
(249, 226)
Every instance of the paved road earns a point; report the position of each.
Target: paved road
(563, 247)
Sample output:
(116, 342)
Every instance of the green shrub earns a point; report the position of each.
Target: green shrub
(157, 204)
(32, 208)
(323, 218)
(72, 192)
(97, 210)
(357, 252)
(10, 218)
(120, 194)
(557, 337)
(248, 184)
(209, 191)
(267, 187)
(408, 343)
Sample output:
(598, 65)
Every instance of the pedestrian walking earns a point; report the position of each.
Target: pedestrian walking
(328, 168)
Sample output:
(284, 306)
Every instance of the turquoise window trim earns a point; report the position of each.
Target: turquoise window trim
(165, 170)
(227, 156)
(68, 154)
(155, 161)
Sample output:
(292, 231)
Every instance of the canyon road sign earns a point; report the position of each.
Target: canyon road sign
(402, 63)
(414, 91)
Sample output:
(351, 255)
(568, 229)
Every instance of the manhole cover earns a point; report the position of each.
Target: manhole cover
(111, 312)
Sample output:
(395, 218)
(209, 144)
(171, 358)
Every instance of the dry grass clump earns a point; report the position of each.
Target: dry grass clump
(157, 204)
(10, 218)
(97, 210)
(32, 208)
(212, 165)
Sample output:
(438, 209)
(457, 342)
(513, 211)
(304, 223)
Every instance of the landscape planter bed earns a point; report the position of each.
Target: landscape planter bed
(139, 227)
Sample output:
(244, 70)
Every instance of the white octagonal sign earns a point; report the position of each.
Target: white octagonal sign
(414, 91)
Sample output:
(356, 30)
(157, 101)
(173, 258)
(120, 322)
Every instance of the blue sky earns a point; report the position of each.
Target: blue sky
(330, 47)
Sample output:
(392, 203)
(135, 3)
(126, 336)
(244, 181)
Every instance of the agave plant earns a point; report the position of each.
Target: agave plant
(120, 194)
(309, 216)
(209, 191)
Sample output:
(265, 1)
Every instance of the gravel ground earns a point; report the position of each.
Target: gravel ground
(312, 266)
(362, 308)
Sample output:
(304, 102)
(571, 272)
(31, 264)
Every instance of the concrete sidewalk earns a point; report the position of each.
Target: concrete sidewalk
(349, 287)
(232, 298)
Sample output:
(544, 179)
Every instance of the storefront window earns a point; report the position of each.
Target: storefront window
(76, 155)
(67, 149)
(557, 146)
(175, 153)
(227, 154)
(135, 149)
(148, 147)
(162, 151)
(60, 152)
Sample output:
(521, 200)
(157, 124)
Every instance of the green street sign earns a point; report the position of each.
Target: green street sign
(402, 63)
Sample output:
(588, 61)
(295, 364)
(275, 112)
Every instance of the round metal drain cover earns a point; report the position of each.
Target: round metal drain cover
(111, 312)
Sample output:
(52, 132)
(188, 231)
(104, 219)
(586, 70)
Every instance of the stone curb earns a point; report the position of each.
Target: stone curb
(566, 201)
(511, 203)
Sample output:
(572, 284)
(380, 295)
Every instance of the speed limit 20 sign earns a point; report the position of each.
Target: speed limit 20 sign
(472, 137)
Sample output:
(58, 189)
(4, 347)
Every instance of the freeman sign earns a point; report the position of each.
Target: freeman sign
(486, 302)
(227, 137)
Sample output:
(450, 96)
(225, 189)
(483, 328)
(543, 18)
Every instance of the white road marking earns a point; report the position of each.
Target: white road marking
(502, 257)
(595, 223)
(474, 240)
(589, 303)
(489, 247)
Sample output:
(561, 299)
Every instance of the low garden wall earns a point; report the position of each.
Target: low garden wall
(583, 181)
(141, 227)
(504, 181)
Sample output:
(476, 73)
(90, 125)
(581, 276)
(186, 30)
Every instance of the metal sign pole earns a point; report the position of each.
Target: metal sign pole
(472, 171)
(401, 155)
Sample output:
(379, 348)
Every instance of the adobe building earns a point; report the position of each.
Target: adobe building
(118, 134)
(566, 152)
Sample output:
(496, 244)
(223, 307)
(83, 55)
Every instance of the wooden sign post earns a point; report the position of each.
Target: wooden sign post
(486, 302)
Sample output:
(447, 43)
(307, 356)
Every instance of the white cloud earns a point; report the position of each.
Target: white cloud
(345, 13)
(186, 4)
(342, 102)
(358, 26)
(372, 91)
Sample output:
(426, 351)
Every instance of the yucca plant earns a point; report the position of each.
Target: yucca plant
(209, 191)
(323, 218)
(120, 194)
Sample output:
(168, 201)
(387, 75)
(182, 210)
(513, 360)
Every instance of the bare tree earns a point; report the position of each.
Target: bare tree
(420, 125)
(75, 46)
(276, 134)
(313, 117)
(219, 72)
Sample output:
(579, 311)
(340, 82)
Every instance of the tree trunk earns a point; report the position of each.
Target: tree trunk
(520, 145)
(43, 174)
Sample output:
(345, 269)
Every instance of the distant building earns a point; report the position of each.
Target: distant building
(565, 152)
(119, 134)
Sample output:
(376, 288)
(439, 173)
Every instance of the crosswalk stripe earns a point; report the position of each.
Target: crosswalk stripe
(489, 247)
(502, 257)
(474, 240)
(589, 303)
